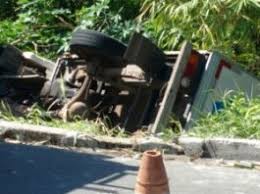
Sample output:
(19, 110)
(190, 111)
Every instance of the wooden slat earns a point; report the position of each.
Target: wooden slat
(172, 88)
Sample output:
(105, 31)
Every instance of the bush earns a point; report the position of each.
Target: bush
(239, 119)
(7, 9)
(232, 27)
(102, 18)
(45, 26)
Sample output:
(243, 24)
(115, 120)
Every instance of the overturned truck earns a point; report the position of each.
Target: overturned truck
(132, 86)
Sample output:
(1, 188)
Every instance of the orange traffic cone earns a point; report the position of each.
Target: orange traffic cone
(152, 178)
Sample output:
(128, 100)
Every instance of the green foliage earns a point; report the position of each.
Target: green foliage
(9, 31)
(128, 9)
(45, 26)
(7, 9)
(38, 27)
(239, 119)
(232, 27)
(102, 18)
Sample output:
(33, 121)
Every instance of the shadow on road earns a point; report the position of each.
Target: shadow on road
(40, 170)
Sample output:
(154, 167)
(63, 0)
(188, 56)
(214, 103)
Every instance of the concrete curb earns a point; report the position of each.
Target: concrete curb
(61, 137)
(225, 148)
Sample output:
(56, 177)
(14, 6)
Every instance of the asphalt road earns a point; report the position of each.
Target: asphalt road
(41, 170)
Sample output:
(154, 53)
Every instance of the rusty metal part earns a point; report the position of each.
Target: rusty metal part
(81, 96)
(77, 109)
(39, 62)
(77, 76)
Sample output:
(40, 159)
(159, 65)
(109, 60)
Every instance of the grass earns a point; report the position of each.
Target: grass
(172, 131)
(240, 118)
(38, 116)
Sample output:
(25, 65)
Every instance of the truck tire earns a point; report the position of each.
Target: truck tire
(89, 42)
